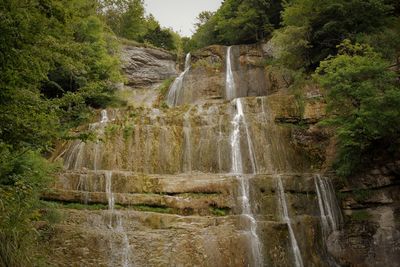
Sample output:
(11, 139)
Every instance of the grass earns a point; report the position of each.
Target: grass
(149, 208)
(164, 87)
(77, 206)
(219, 211)
(360, 215)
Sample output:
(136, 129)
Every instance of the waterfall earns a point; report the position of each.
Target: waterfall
(239, 118)
(230, 80)
(187, 156)
(109, 193)
(120, 253)
(220, 139)
(329, 211)
(328, 205)
(285, 216)
(255, 243)
(83, 185)
(104, 116)
(237, 169)
(236, 154)
(175, 91)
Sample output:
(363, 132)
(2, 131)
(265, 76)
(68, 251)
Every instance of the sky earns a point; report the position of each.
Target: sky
(180, 15)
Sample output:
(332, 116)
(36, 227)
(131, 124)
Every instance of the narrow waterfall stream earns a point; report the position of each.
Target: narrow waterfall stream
(237, 166)
(120, 252)
(230, 81)
(175, 91)
(187, 153)
(328, 205)
(286, 218)
(329, 210)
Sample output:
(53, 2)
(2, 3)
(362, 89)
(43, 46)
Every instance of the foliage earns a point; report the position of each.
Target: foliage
(238, 21)
(127, 19)
(22, 178)
(363, 101)
(57, 62)
(325, 24)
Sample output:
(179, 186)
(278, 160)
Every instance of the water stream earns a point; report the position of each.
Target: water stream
(328, 205)
(120, 254)
(230, 81)
(237, 169)
(286, 218)
(329, 211)
(175, 91)
(187, 153)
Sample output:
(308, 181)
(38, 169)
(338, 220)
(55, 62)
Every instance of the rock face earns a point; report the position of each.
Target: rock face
(206, 80)
(199, 184)
(145, 69)
(371, 205)
(146, 66)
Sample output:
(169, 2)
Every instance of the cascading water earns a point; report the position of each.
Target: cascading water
(175, 91)
(328, 205)
(238, 120)
(237, 169)
(230, 81)
(329, 210)
(120, 254)
(286, 218)
(187, 156)
(104, 116)
(256, 247)
(220, 139)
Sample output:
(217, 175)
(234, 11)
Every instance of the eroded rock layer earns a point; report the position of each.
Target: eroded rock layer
(210, 182)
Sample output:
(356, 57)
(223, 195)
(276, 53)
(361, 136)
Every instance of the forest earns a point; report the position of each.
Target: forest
(59, 61)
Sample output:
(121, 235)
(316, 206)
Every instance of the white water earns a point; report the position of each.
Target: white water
(236, 153)
(83, 185)
(175, 91)
(121, 253)
(230, 80)
(220, 139)
(109, 193)
(285, 216)
(104, 116)
(237, 168)
(187, 156)
(238, 120)
(255, 243)
(328, 206)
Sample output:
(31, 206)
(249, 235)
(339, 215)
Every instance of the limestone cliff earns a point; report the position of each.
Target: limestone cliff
(217, 182)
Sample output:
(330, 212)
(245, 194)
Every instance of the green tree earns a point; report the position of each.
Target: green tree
(57, 61)
(363, 103)
(238, 21)
(328, 23)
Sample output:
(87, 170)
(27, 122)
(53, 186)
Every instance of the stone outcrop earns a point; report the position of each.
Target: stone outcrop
(157, 187)
(371, 204)
(145, 69)
(146, 66)
(206, 79)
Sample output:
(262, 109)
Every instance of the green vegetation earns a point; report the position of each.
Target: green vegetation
(363, 102)
(313, 29)
(356, 59)
(360, 215)
(58, 61)
(127, 19)
(159, 209)
(163, 91)
(236, 22)
(77, 206)
(219, 211)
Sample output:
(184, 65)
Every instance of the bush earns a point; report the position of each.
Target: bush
(363, 103)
